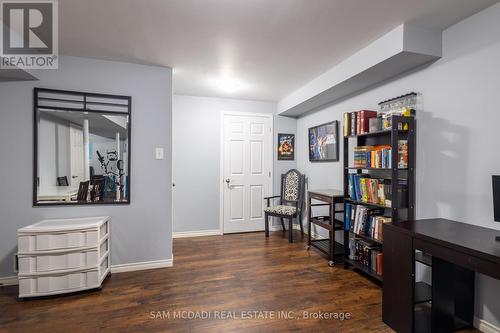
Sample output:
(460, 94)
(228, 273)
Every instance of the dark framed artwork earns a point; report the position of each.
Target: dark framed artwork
(324, 142)
(89, 154)
(286, 147)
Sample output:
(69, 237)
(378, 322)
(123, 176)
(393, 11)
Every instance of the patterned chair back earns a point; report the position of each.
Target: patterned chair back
(292, 186)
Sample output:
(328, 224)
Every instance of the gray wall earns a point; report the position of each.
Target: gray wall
(285, 125)
(197, 154)
(148, 217)
(457, 144)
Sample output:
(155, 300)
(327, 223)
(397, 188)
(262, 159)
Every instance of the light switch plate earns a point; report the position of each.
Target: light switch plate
(159, 154)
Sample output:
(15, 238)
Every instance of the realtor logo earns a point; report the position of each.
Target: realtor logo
(29, 38)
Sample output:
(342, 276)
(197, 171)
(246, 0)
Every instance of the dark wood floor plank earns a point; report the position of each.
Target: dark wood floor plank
(241, 272)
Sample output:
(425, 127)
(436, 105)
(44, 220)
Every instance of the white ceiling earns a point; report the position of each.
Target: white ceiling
(269, 47)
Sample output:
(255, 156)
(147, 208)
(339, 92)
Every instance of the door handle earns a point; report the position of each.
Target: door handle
(228, 181)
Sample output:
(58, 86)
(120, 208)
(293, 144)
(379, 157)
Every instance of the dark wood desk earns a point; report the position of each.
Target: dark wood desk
(327, 197)
(455, 251)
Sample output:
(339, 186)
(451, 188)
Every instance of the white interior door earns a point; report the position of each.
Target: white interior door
(247, 171)
(76, 146)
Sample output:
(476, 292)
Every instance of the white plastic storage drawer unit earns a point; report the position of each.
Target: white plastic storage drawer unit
(63, 255)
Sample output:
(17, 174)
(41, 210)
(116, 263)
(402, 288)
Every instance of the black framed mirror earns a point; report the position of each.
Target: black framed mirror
(81, 148)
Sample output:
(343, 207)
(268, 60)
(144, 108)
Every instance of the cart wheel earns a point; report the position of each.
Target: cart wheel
(307, 247)
(331, 263)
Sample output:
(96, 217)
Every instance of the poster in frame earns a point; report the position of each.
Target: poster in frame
(324, 142)
(286, 147)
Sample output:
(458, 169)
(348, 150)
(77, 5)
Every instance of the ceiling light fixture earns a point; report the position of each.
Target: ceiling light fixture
(227, 85)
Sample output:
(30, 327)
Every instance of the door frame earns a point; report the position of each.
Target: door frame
(221, 157)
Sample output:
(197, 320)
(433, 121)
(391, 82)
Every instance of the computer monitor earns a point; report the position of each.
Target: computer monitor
(496, 200)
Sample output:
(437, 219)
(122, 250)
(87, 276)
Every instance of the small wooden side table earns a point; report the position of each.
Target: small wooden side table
(330, 247)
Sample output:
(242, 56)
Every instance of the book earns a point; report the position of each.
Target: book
(378, 227)
(368, 222)
(373, 260)
(380, 156)
(353, 123)
(361, 156)
(357, 219)
(347, 223)
(403, 154)
(347, 124)
(369, 185)
(352, 249)
(357, 188)
(369, 255)
(358, 122)
(374, 190)
(380, 264)
(364, 120)
(363, 188)
(381, 194)
(350, 186)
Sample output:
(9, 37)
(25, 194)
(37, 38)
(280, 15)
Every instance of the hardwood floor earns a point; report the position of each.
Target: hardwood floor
(232, 273)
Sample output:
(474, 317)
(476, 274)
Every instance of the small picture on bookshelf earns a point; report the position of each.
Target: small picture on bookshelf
(286, 147)
(324, 142)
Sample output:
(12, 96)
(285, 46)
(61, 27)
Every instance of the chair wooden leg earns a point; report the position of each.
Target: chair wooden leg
(301, 226)
(290, 231)
(283, 224)
(308, 246)
(266, 226)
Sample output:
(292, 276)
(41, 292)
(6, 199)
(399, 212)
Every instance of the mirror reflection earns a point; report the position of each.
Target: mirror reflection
(82, 156)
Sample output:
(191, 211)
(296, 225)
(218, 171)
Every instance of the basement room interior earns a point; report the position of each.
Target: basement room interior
(249, 166)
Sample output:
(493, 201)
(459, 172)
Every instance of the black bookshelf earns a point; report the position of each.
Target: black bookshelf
(399, 210)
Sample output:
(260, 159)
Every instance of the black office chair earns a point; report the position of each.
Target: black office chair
(97, 191)
(62, 181)
(83, 191)
(290, 202)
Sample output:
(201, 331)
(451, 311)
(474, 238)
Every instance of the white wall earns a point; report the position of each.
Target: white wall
(457, 142)
(148, 217)
(54, 150)
(197, 154)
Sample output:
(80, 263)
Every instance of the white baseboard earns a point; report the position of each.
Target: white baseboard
(315, 235)
(185, 234)
(140, 266)
(131, 267)
(9, 281)
(485, 327)
(277, 227)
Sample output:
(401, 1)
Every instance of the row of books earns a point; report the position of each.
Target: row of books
(357, 122)
(366, 222)
(380, 156)
(370, 190)
(372, 156)
(367, 254)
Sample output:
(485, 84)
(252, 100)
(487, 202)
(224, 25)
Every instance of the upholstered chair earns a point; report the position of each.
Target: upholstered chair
(290, 201)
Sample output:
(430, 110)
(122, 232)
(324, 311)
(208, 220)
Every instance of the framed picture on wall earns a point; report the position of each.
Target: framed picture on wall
(324, 142)
(286, 147)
